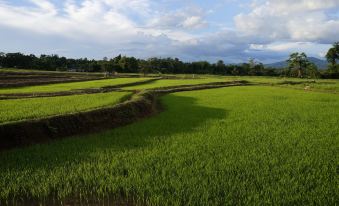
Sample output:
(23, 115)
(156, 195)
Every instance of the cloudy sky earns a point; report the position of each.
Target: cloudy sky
(231, 30)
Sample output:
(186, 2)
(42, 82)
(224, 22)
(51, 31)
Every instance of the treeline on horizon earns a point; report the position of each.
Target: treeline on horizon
(124, 64)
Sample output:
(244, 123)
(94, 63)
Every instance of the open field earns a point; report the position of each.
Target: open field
(240, 145)
(25, 109)
(174, 82)
(331, 86)
(21, 77)
(321, 85)
(71, 86)
(51, 73)
(310, 84)
(169, 103)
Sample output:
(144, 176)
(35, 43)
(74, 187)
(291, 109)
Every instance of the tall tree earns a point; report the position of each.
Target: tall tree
(332, 57)
(312, 71)
(299, 62)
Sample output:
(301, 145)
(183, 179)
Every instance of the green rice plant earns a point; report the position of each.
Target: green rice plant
(71, 86)
(318, 85)
(254, 145)
(36, 108)
(175, 82)
(311, 84)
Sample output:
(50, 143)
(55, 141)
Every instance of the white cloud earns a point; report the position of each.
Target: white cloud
(181, 19)
(283, 46)
(194, 22)
(301, 5)
(148, 28)
(304, 20)
(45, 5)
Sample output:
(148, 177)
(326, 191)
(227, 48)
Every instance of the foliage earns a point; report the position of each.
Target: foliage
(125, 64)
(332, 57)
(299, 62)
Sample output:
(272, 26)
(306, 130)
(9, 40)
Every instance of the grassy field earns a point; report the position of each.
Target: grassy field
(322, 85)
(71, 86)
(35, 108)
(312, 84)
(15, 70)
(175, 82)
(232, 146)
(319, 85)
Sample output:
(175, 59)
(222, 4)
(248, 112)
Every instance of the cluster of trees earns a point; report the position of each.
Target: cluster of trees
(123, 64)
(332, 57)
(298, 65)
(56, 63)
(175, 66)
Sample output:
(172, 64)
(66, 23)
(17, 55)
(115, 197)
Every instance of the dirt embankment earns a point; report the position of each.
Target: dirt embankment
(142, 105)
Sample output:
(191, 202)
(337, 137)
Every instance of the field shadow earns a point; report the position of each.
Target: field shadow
(179, 114)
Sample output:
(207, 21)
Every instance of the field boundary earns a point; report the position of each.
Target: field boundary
(16, 79)
(104, 89)
(141, 105)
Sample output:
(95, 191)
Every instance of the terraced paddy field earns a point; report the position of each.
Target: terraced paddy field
(71, 86)
(321, 85)
(176, 82)
(253, 145)
(37, 108)
(330, 86)
(21, 77)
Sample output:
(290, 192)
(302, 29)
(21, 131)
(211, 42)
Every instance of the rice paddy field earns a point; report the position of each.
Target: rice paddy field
(248, 145)
(264, 144)
(71, 86)
(10, 78)
(322, 86)
(35, 108)
(176, 82)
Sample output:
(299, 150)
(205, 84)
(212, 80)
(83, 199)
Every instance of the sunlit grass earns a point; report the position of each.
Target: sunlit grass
(35, 108)
(318, 85)
(176, 82)
(71, 86)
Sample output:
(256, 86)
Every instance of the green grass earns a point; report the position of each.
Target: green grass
(35, 108)
(230, 146)
(319, 85)
(71, 86)
(175, 82)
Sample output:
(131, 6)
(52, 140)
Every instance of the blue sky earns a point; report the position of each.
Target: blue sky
(231, 30)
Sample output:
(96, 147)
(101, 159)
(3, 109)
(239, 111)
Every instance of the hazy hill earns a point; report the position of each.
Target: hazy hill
(321, 64)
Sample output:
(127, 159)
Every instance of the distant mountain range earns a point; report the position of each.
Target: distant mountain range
(321, 64)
